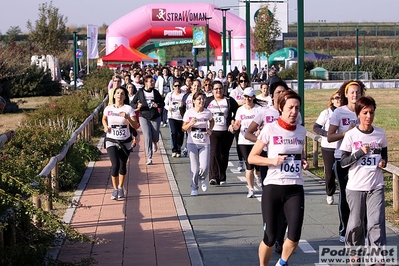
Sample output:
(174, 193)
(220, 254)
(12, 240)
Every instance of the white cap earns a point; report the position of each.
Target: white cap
(249, 91)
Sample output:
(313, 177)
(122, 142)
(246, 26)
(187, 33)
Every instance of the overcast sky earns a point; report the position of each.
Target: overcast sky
(98, 12)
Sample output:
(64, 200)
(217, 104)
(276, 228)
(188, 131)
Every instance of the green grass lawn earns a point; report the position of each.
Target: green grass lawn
(386, 117)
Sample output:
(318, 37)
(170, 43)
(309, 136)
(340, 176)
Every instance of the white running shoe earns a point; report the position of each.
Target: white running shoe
(154, 147)
(330, 200)
(342, 239)
(204, 185)
(251, 193)
(194, 192)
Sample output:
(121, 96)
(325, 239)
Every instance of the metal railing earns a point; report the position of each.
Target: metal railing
(392, 169)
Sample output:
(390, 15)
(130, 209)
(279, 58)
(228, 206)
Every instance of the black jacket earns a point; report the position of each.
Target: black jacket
(149, 113)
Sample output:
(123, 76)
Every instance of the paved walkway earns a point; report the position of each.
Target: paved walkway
(152, 226)
(141, 229)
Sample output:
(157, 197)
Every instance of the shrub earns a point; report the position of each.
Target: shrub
(35, 82)
(96, 83)
(42, 135)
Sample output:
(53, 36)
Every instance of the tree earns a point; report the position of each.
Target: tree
(267, 30)
(13, 31)
(49, 32)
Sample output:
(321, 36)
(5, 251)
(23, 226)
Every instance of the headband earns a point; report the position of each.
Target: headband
(350, 84)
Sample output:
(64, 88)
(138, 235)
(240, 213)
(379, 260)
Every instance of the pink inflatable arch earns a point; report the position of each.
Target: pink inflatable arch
(176, 21)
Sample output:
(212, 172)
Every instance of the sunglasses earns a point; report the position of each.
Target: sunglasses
(207, 84)
(177, 85)
(242, 80)
(337, 98)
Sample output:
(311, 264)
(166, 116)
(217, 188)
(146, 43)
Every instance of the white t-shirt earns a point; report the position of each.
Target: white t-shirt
(238, 95)
(197, 133)
(364, 175)
(342, 118)
(246, 116)
(220, 111)
(119, 125)
(267, 99)
(324, 120)
(189, 101)
(266, 115)
(281, 141)
(172, 100)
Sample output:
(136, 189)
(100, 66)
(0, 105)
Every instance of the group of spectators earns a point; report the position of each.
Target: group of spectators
(205, 113)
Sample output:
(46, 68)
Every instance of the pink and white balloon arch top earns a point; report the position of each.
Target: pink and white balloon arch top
(162, 21)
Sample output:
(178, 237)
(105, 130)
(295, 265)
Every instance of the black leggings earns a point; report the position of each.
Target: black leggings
(343, 207)
(291, 200)
(329, 175)
(239, 153)
(245, 151)
(118, 160)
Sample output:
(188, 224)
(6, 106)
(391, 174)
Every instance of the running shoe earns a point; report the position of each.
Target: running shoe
(240, 167)
(330, 200)
(280, 264)
(121, 193)
(342, 239)
(173, 154)
(114, 195)
(184, 152)
(194, 192)
(222, 183)
(213, 182)
(149, 162)
(204, 185)
(251, 193)
(154, 147)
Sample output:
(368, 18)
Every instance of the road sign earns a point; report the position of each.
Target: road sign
(79, 53)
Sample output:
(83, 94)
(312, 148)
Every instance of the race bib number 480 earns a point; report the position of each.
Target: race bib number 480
(198, 136)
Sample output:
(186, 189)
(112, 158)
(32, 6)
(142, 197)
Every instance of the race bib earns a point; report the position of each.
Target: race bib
(291, 167)
(119, 131)
(369, 161)
(219, 119)
(175, 106)
(198, 136)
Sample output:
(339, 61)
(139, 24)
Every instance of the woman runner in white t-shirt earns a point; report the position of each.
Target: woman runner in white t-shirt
(198, 122)
(342, 120)
(173, 103)
(365, 153)
(116, 121)
(244, 116)
(327, 149)
(283, 185)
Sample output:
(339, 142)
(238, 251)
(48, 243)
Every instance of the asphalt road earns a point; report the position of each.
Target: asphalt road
(227, 226)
